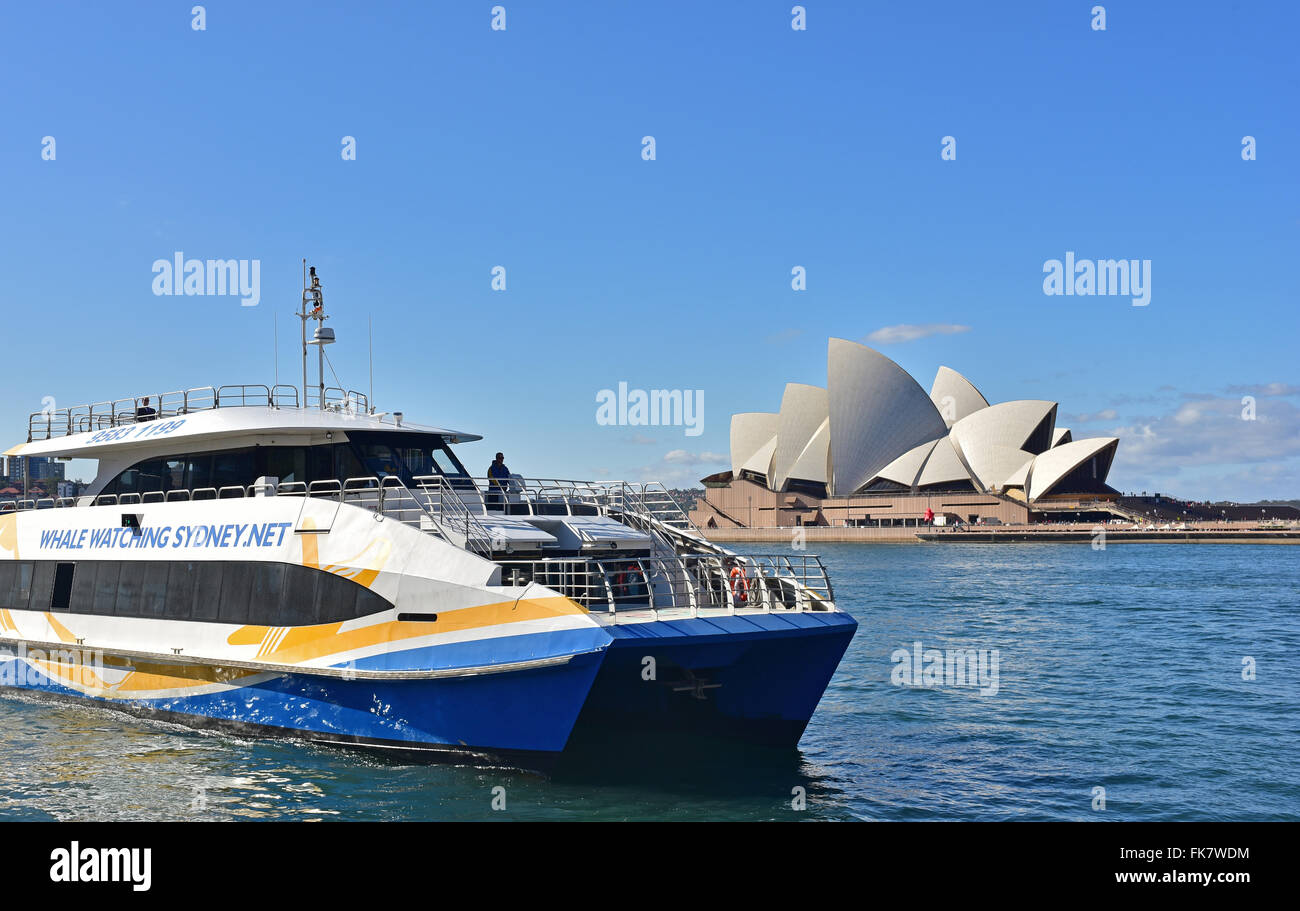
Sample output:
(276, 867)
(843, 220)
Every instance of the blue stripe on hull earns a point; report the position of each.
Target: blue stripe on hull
(488, 652)
(530, 710)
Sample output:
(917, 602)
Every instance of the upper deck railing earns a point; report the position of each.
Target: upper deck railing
(53, 422)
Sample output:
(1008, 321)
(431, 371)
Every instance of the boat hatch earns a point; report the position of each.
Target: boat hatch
(590, 533)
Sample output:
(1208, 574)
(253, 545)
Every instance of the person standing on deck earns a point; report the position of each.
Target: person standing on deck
(498, 474)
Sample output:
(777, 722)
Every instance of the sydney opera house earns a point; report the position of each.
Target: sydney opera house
(875, 449)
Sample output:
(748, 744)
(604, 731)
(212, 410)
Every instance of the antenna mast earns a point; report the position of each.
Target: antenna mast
(313, 307)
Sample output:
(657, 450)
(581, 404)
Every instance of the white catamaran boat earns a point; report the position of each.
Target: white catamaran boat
(286, 561)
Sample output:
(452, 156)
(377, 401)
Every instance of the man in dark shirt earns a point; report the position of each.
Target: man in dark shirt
(498, 474)
(144, 412)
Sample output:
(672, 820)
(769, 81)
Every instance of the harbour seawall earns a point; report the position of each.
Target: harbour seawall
(1008, 534)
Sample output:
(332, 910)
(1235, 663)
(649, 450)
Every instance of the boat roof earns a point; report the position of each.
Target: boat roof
(205, 414)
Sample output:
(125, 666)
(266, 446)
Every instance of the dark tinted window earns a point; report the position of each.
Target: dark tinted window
(367, 453)
(207, 591)
(200, 471)
(153, 593)
(298, 600)
(236, 587)
(173, 473)
(181, 589)
(287, 463)
(82, 600)
(130, 581)
(8, 576)
(333, 601)
(232, 469)
(269, 594)
(347, 465)
(23, 585)
(106, 576)
(42, 585)
(268, 580)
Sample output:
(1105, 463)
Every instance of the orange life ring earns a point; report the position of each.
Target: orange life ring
(741, 588)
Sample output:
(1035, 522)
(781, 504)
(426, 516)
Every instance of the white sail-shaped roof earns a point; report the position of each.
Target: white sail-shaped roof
(812, 463)
(1061, 435)
(944, 467)
(996, 441)
(1020, 477)
(1050, 468)
(761, 461)
(750, 432)
(907, 468)
(803, 410)
(877, 411)
(955, 396)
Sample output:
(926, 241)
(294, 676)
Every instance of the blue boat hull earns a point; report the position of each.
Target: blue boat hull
(757, 678)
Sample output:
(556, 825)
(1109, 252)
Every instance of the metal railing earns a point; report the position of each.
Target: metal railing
(552, 496)
(52, 422)
(685, 583)
(457, 505)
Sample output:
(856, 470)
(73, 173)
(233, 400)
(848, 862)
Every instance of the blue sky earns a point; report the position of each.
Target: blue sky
(775, 148)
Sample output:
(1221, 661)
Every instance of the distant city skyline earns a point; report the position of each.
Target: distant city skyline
(952, 185)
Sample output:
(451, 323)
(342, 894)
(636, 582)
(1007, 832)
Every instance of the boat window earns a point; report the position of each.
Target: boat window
(62, 592)
(42, 584)
(180, 587)
(105, 596)
(232, 469)
(379, 460)
(200, 470)
(335, 601)
(173, 473)
(406, 455)
(82, 600)
(153, 592)
(298, 597)
(143, 477)
(288, 464)
(236, 586)
(23, 590)
(207, 591)
(130, 582)
(347, 464)
(367, 454)
(268, 583)
(8, 575)
(237, 592)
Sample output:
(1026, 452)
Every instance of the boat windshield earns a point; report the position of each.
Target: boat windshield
(406, 456)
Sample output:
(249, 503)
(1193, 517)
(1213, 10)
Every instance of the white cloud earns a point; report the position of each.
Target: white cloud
(681, 468)
(906, 332)
(682, 457)
(1267, 389)
(1108, 414)
(1205, 443)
